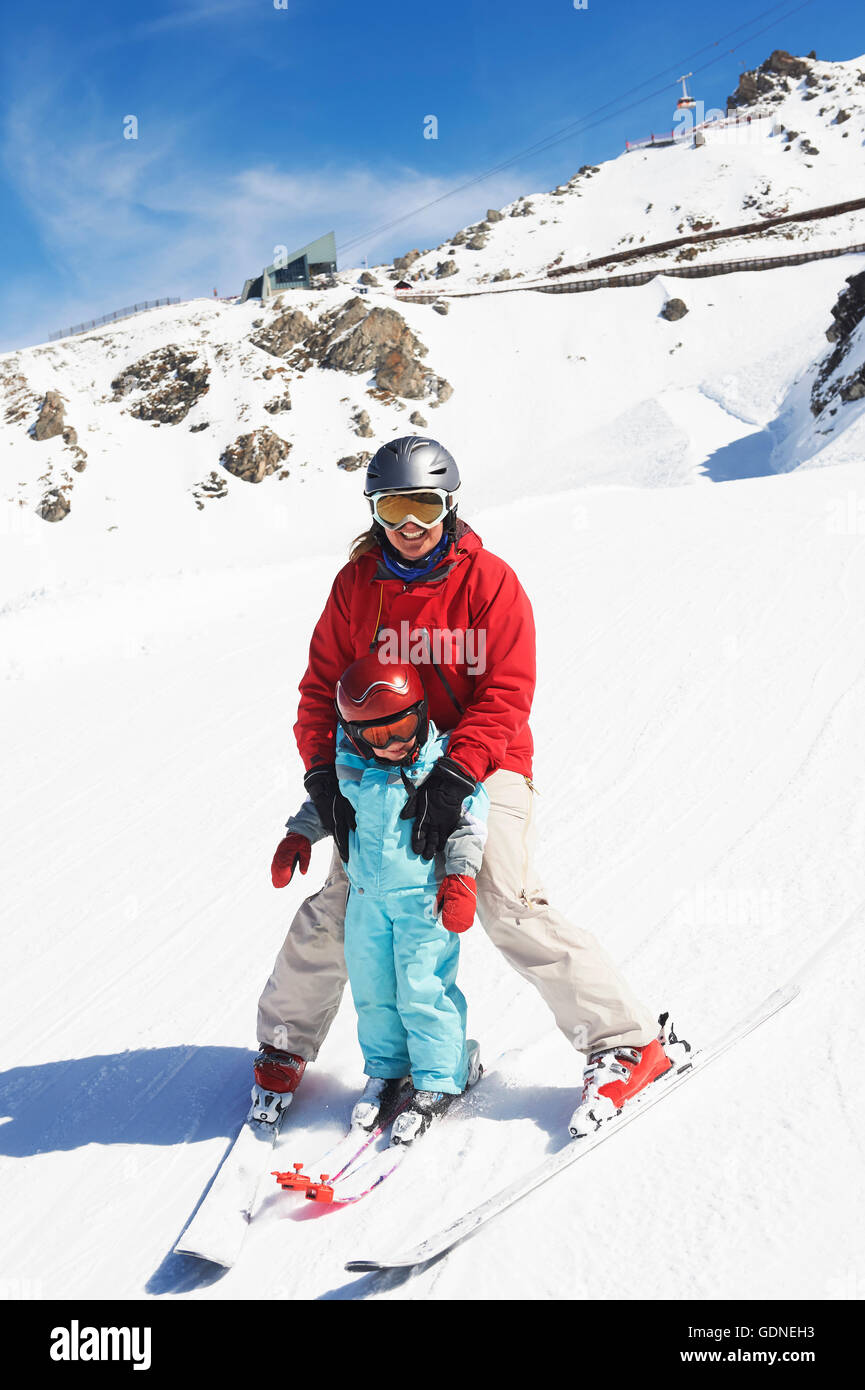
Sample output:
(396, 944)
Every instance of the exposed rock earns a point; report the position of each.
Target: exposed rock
(688, 253)
(848, 313)
(338, 322)
(367, 278)
(853, 389)
(440, 388)
(213, 487)
(842, 116)
(808, 148)
(381, 342)
(278, 405)
(502, 275)
(351, 462)
(441, 306)
(417, 419)
(55, 505)
(494, 216)
(403, 262)
(50, 422)
(363, 424)
(202, 425)
(400, 373)
(23, 401)
(477, 242)
(459, 239)
(522, 209)
(444, 269)
(674, 309)
(769, 80)
(254, 456)
(170, 380)
(284, 333)
(70, 435)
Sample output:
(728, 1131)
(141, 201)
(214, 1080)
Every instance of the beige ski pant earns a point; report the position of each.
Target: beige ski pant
(590, 1001)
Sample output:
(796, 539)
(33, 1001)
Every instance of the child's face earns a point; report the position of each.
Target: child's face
(397, 750)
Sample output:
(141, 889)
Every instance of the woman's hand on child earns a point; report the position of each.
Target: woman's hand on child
(435, 806)
(291, 852)
(457, 901)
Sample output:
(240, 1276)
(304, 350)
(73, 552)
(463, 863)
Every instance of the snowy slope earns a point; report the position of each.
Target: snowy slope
(699, 730)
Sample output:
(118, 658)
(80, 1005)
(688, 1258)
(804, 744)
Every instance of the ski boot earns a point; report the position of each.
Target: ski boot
(425, 1106)
(277, 1077)
(382, 1098)
(614, 1075)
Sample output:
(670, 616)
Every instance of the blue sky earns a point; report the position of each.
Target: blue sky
(260, 126)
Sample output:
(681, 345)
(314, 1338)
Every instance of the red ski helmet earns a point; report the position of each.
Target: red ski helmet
(379, 703)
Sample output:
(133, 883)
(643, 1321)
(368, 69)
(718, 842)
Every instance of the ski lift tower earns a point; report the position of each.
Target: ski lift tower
(686, 102)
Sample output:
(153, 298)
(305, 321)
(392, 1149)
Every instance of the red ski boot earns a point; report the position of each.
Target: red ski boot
(615, 1075)
(277, 1077)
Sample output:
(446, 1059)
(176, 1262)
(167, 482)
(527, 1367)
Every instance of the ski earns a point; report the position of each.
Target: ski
(339, 1160)
(359, 1179)
(217, 1230)
(466, 1225)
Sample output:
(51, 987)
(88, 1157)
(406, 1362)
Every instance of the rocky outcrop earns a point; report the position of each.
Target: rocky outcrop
(171, 380)
(362, 424)
(335, 324)
(366, 278)
(253, 457)
(769, 81)
(494, 216)
(478, 242)
(351, 462)
(848, 313)
(278, 405)
(214, 486)
(283, 333)
(380, 342)
(443, 389)
(441, 306)
(417, 419)
(501, 275)
(55, 504)
(403, 262)
(674, 309)
(50, 421)
(402, 374)
(444, 269)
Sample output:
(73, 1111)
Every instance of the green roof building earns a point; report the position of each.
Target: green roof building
(295, 271)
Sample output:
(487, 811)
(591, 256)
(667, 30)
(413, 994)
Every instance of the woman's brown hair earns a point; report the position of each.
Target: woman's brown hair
(365, 542)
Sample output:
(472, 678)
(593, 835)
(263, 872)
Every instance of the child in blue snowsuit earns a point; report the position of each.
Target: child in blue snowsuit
(401, 960)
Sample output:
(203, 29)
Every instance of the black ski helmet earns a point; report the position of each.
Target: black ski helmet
(410, 463)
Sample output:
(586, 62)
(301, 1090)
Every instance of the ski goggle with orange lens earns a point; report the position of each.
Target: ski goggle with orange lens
(383, 735)
(426, 507)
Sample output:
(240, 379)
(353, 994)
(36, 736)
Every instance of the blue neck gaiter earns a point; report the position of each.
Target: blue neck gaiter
(405, 569)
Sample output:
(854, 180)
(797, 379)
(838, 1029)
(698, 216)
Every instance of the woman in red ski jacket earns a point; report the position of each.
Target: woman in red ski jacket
(420, 587)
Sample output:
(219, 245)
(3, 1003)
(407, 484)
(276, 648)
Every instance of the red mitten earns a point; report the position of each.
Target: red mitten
(294, 850)
(456, 901)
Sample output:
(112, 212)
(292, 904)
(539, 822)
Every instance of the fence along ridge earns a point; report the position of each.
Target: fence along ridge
(746, 229)
(126, 313)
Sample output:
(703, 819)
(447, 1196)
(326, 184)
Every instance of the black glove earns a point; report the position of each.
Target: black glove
(335, 811)
(435, 806)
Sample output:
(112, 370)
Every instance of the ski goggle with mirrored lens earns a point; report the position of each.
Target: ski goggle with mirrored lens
(426, 507)
(383, 735)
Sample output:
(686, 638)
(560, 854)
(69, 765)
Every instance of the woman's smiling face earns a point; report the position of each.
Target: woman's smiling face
(412, 541)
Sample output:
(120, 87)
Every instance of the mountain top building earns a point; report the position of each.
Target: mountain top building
(294, 271)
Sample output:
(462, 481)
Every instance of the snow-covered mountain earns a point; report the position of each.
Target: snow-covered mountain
(176, 492)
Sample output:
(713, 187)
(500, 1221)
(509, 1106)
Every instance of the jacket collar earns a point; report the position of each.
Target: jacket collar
(466, 541)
